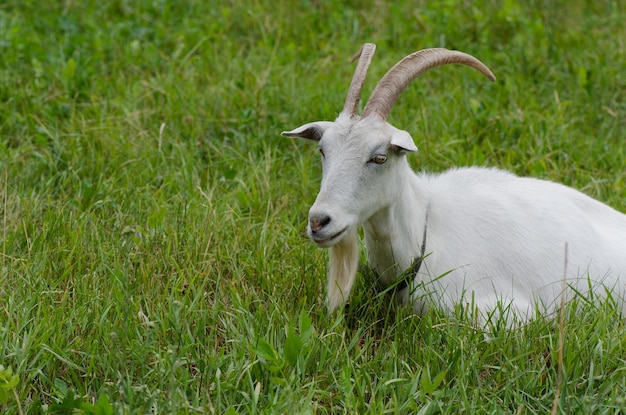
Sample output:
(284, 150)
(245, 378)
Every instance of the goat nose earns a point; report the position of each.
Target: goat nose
(317, 222)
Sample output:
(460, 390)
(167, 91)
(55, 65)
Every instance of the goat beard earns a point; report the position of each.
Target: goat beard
(343, 265)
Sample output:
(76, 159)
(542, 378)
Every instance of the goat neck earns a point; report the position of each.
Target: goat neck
(394, 234)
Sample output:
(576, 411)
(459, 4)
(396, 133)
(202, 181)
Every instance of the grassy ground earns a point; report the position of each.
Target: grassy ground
(154, 258)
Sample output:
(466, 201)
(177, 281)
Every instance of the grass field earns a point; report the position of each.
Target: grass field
(154, 256)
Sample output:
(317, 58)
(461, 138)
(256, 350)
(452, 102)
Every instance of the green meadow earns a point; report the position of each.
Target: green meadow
(154, 258)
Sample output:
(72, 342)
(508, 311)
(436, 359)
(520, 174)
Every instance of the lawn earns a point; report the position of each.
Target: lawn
(154, 254)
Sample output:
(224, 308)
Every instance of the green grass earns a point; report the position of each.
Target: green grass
(154, 258)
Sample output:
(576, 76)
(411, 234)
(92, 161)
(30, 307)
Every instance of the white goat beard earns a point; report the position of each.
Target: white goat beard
(344, 262)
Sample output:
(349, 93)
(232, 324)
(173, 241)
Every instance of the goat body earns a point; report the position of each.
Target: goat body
(490, 237)
(496, 237)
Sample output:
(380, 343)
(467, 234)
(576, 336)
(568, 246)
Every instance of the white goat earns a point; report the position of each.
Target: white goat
(469, 234)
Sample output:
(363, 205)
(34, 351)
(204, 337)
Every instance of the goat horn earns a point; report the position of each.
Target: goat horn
(365, 56)
(404, 72)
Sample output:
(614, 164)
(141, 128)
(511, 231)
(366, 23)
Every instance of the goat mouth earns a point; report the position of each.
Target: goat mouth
(329, 241)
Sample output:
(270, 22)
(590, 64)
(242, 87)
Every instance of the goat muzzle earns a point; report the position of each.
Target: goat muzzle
(318, 222)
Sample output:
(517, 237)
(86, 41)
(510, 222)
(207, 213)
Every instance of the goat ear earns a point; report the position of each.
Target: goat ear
(403, 141)
(310, 131)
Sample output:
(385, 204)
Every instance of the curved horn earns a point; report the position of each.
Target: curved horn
(404, 72)
(365, 56)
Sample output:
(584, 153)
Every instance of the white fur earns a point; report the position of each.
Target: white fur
(343, 265)
(491, 236)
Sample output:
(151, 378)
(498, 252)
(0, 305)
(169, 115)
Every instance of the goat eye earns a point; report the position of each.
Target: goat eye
(379, 159)
(321, 151)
